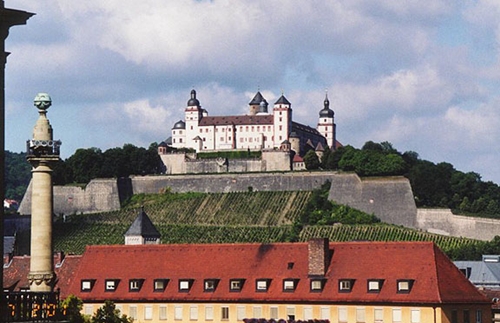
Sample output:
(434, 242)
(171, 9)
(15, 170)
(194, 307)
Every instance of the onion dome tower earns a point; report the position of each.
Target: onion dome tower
(42, 154)
(326, 124)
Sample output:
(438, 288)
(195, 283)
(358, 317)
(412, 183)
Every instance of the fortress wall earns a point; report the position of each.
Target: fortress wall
(213, 166)
(388, 198)
(100, 195)
(442, 221)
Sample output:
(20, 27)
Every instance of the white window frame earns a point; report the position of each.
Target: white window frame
(289, 285)
(240, 313)
(378, 315)
(360, 315)
(159, 285)
(262, 285)
(345, 285)
(162, 313)
(316, 285)
(184, 285)
(178, 313)
(209, 313)
(235, 284)
(342, 314)
(86, 285)
(308, 313)
(396, 315)
(257, 312)
(193, 312)
(415, 315)
(132, 312)
(148, 312)
(110, 285)
(274, 312)
(374, 285)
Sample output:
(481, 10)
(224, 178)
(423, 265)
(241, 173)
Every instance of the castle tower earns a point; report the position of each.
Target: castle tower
(193, 115)
(282, 116)
(255, 104)
(326, 124)
(142, 231)
(42, 154)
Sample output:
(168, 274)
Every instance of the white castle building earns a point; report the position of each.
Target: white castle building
(260, 129)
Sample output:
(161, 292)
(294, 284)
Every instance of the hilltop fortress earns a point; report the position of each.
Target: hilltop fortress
(282, 141)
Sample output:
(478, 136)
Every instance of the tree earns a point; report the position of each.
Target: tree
(73, 305)
(109, 314)
(311, 160)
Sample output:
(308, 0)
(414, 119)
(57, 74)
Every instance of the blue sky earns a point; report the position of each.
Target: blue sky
(423, 75)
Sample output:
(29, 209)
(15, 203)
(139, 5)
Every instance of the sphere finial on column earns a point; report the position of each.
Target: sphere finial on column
(42, 101)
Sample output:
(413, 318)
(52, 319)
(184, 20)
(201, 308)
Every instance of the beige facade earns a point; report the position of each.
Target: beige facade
(335, 313)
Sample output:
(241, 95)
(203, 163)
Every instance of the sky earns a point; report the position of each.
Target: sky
(422, 75)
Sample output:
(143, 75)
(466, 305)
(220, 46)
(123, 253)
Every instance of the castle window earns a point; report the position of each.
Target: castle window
(281, 128)
(180, 140)
(229, 138)
(173, 140)
(258, 128)
(160, 285)
(221, 138)
(281, 119)
(173, 132)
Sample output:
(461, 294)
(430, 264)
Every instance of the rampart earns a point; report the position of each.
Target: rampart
(390, 199)
(442, 221)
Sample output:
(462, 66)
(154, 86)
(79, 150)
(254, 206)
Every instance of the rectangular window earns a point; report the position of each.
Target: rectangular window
(288, 285)
(178, 313)
(262, 285)
(160, 285)
(415, 316)
(342, 314)
(148, 312)
(479, 316)
(374, 285)
(209, 313)
(257, 312)
(308, 313)
(210, 285)
(273, 311)
(87, 285)
(235, 285)
(221, 138)
(378, 315)
(193, 312)
(345, 285)
(404, 286)
(396, 315)
(162, 312)
(240, 313)
(132, 312)
(466, 316)
(454, 316)
(290, 313)
(325, 313)
(111, 285)
(88, 310)
(135, 285)
(360, 315)
(184, 285)
(316, 285)
(225, 313)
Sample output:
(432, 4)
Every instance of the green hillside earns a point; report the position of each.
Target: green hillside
(261, 217)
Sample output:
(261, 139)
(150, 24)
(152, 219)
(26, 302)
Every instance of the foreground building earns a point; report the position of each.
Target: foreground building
(341, 282)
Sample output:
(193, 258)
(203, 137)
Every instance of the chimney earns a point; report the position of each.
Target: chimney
(318, 256)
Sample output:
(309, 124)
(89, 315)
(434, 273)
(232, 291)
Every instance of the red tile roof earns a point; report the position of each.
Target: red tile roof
(435, 279)
(15, 275)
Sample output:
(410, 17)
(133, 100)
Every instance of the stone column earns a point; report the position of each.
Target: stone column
(43, 153)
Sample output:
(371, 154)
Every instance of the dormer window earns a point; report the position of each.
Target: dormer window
(87, 285)
(289, 285)
(160, 284)
(262, 285)
(111, 284)
(135, 285)
(185, 285)
(374, 285)
(345, 285)
(235, 285)
(210, 285)
(404, 285)
(317, 285)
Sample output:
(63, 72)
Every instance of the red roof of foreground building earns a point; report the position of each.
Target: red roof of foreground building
(431, 276)
(15, 272)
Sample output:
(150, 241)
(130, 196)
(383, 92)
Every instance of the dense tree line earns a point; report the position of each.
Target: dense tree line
(83, 166)
(17, 175)
(434, 185)
(87, 164)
